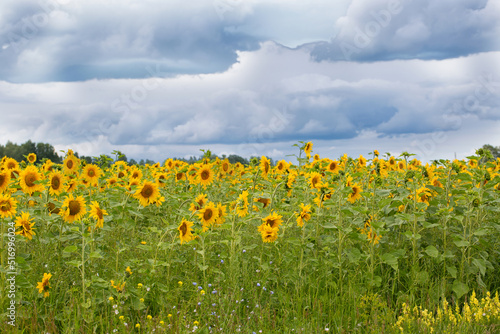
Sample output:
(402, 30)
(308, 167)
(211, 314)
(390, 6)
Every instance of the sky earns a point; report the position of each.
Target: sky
(156, 79)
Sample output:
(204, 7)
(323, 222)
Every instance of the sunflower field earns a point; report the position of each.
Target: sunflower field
(376, 244)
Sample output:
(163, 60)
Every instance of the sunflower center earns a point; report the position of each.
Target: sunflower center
(271, 222)
(91, 173)
(30, 180)
(11, 165)
(178, 176)
(183, 229)
(207, 215)
(121, 174)
(5, 206)
(69, 164)
(205, 175)
(2, 179)
(74, 208)
(55, 183)
(225, 167)
(266, 167)
(99, 213)
(147, 191)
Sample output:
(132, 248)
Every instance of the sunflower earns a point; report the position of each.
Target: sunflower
(56, 184)
(29, 178)
(424, 195)
(225, 166)
(72, 185)
(11, 164)
(208, 215)
(7, 206)
(92, 173)
(135, 173)
(205, 175)
(355, 194)
(361, 161)
(119, 286)
(304, 215)
(273, 220)
(265, 201)
(51, 207)
(401, 165)
(375, 153)
(185, 231)
(169, 163)
(147, 193)
(4, 180)
(112, 181)
(221, 216)
(75, 208)
(315, 180)
(179, 176)
(24, 222)
(31, 158)
(161, 179)
(98, 214)
(71, 164)
(308, 147)
(282, 166)
(242, 208)
(199, 203)
(268, 233)
(334, 167)
(44, 285)
(48, 166)
(392, 163)
(265, 166)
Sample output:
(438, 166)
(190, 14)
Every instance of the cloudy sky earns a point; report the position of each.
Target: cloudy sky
(166, 78)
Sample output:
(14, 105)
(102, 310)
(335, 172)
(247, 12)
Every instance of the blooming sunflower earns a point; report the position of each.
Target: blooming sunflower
(7, 206)
(265, 166)
(147, 193)
(221, 217)
(208, 215)
(315, 180)
(225, 166)
(199, 203)
(71, 164)
(11, 164)
(98, 214)
(282, 166)
(242, 208)
(308, 147)
(355, 194)
(185, 231)
(273, 220)
(424, 195)
(268, 233)
(361, 161)
(135, 173)
(304, 215)
(161, 179)
(75, 208)
(48, 166)
(334, 167)
(24, 222)
(375, 153)
(72, 185)
(265, 201)
(205, 175)
(56, 183)
(31, 158)
(29, 179)
(44, 285)
(92, 173)
(4, 180)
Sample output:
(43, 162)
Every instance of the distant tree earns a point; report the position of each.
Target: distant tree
(233, 158)
(495, 150)
(132, 162)
(43, 151)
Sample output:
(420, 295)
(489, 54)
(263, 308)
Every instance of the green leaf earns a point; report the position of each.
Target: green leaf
(353, 255)
(432, 251)
(95, 255)
(461, 243)
(390, 259)
(202, 267)
(329, 226)
(74, 263)
(70, 249)
(481, 232)
(480, 264)
(452, 271)
(460, 289)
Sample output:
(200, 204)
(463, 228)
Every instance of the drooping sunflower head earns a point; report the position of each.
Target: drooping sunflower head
(265, 165)
(199, 202)
(273, 220)
(355, 194)
(308, 149)
(265, 201)
(44, 285)
(75, 208)
(98, 214)
(269, 234)
(185, 231)
(29, 180)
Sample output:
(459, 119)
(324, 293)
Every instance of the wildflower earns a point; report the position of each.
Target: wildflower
(180, 283)
(119, 287)
(128, 271)
(139, 285)
(111, 299)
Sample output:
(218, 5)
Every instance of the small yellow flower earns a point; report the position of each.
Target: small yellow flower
(139, 285)
(180, 283)
(162, 322)
(137, 325)
(142, 300)
(149, 317)
(143, 242)
(169, 315)
(111, 299)
(202, 292)
(128, 270)
(121, 317)
(196, 323)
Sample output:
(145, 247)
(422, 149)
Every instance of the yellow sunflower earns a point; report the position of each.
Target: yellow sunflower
(268, 233)
(48, 166)
(308, 149)
(315, 180)
(221, 216)
(4, 180)
(424, 195)
(135, 173)
(7, 206)
(56, 183)
(185, 231)
(91, 173)
(44, 285)
(265, 201)
(334, 167)
(304, 215)
(225, 167)
(265, 166)
(147, 193)
(282, 166)
(75, 208)
(31, 158)
(242, 208)
(161, 179)
(29, 179)
(205, 175)
(208, 215)
(11, 164)
(199, 203)
(355, 194)
(273, 220)
(361, 161)
(98, 214)
(71, 164)
(24, 222)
